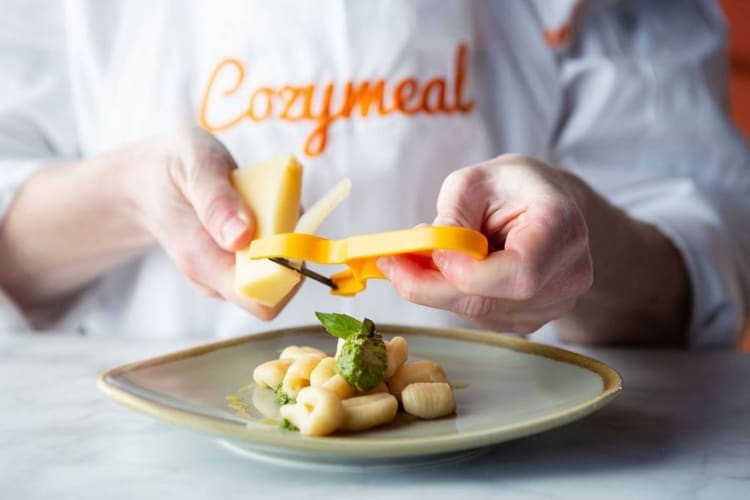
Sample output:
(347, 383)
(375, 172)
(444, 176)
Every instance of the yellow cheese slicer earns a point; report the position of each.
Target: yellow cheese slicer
(360, 252)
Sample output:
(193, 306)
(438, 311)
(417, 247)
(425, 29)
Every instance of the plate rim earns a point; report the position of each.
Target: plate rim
(267, 437)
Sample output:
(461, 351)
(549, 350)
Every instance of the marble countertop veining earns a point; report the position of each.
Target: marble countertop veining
(680, 429)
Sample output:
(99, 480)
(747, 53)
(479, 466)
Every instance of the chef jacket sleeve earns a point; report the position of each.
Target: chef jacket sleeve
(643, 117)
(36, 117)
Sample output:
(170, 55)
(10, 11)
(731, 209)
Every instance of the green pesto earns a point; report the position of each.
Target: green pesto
(362, 359)
(282, 397)
(287, 425)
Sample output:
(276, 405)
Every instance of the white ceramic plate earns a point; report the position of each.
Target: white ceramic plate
(508, 388)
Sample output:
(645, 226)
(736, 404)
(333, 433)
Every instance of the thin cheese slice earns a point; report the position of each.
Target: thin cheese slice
(272, 190)
(314, 217)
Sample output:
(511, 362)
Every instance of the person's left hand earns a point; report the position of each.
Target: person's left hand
(539, 261)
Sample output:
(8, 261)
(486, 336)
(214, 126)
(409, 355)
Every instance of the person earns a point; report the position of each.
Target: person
(587, 140)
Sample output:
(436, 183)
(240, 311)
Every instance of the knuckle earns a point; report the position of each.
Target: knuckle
(463, 283)
(584, 274)
(528, 285)
(187, 264)
(408, 290)
(460, 181)
(575, 228)
(475, 307)
(515, 159)
(217, 209)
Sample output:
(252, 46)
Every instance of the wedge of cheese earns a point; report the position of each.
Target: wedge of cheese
(272, 190)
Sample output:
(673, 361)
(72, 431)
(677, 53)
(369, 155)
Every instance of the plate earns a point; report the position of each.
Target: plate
(506, 388)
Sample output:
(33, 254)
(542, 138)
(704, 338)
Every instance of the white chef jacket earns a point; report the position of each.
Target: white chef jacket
(395, 95)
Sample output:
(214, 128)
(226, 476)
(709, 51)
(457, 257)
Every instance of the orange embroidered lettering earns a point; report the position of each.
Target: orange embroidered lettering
(316, 141)
(314, 102)
(203, 119)
(364, 95)
(461, 105)
(289, 96)
(268, 110)
(403, 93)
(433, 97)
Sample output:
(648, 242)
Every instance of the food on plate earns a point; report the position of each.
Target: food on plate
(419, 371)
(359, 388)
(428, 399)
(297, 375)
(317, 412)
(364, 412)
(271, 373)
(362, 359)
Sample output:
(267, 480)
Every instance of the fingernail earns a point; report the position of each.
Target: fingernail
(385, 264)
(243, 217)
(233, 229)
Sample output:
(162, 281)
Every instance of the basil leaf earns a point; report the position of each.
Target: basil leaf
(342, 326)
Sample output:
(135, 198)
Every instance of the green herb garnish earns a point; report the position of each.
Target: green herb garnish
(282, 397)
(287, 425)
(342, 326)
(362, 359)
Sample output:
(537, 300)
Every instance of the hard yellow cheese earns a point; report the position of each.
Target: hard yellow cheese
(272, 190)
(313, 217)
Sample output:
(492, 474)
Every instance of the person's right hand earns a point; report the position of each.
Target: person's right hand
(178, 186)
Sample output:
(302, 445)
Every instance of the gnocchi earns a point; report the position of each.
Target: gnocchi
(317, 411)
(318, 398)
(428, 399)
(271, 373)
(298, 375)
(419, 371)
(295, 351)
(365, 412)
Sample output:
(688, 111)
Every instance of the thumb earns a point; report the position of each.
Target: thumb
(221, 210)
(463, 199)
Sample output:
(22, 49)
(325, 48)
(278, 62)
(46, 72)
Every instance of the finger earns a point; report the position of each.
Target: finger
(260, 311)
(425, 286)
(208, 292)
(532, 313)
(218, 206)
(520, 271)
(212, 268)
(196, 254)
(208, 266)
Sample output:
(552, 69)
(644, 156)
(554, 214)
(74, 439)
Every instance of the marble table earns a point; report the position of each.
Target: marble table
(680, 429)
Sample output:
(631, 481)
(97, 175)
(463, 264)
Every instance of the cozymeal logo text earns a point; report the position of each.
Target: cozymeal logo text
(324, 104)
